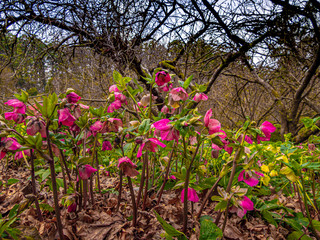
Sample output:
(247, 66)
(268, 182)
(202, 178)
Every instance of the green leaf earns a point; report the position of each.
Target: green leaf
(298, 235)
(144, 126)
(187, 82)
(267, 216)
(45, 175)
(117, 76)
(208, 229)
(221, 205)
(12, 181)
(13, 212)
(316, 224)
(46, 207)
(171, 231)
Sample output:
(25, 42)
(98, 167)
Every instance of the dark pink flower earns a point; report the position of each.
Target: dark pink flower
(114, 106)
(16, 117)
(151, 145)
(65, 117)
(250, 177)
(96, 127)
(8, 144)
(120, 97)
(162, 78)
(178, 94)
(19, 107)
(247, 205)
(172, 177)
(85, 171)
(112, 125)
(113, 88)
(267, 128)
(167, 131)
(311, 147)
(128, 167)
(73, 97)
(192, 195)
(72, 207)
(35, 125)
(166, 110)
(200, 97)
(165, 88)
(19, 155)
(106, 145)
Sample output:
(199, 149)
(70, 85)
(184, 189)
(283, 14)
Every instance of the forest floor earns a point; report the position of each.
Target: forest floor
(101, 220)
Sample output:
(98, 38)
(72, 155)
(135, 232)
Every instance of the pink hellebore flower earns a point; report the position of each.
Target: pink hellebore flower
(65, 117)
(267, 128)
(8, 144)
(120, 97)
(16, 117)
(213, 125)
(72, 207)
(128, 167)
(166, 110)
(167, 131)
(106, 145)
(247, 205)
(35, 125)
(112, 125)
(151, 144)
(172, 177)
(85, 171)
(215, 150)
(192, 195)
(178, 94)
(114, 106)
(19, 107)
(250, 177)
(19, 155)
(200, 97)
(162, 78)
(96, 127)
(165, 88)
(113, 88)
(73, 97)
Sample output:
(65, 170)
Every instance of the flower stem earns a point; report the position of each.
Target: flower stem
(134, 206)
(34, 189)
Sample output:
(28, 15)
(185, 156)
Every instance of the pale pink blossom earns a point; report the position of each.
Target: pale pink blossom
(36, 125)
(114, 106)
(113, 88)
(178, 94)
(16, 117)
(167, 110)
(200, 97)
(245, 205)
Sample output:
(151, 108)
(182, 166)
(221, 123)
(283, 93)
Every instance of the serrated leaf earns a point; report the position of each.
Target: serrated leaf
(171, 231)
(221, 206)
(144, 126)
(117, 76)
(187, 82)
(208, 229)
(298, 235)
(12, 181)
(267, 216)
(46, 207)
